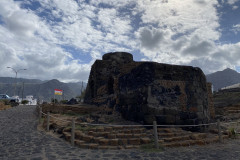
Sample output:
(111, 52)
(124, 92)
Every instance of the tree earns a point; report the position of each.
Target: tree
(54, 100)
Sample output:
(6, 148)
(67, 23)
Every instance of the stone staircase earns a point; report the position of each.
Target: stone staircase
(176, 137)
(110, 137)
(128, 137)
(133, 137)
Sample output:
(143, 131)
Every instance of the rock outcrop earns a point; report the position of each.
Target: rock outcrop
(147, 91)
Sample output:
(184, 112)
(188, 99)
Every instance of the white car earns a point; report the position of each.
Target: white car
(11, 99)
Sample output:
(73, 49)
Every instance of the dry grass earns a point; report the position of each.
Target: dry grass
(3, 106)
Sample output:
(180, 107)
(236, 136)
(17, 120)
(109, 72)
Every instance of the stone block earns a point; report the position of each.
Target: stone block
(93, 146)
(200, 142)
(184, 143)
(137, 135)
(103, 142)
(129, 147)
(112, 136)
(103, 147)
(96, 139)
(123, 141)
(100, 129)
(127, 131)
(108, 129)
(113, 142)
(128, 136)
(118, 127)
(197, 136)
(113, 147)
(103, 134)
(93, 129)
(79, 134)
(120, 135)
(160, 141)
(87, 138)
(90, 133)
(79, 142)
(84, 145)
(134, 141)
(145, 140)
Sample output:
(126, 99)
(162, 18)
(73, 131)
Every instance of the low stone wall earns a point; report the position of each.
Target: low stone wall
(69, 109)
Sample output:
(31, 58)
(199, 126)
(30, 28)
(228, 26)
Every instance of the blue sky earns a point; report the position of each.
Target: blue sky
(59, 39)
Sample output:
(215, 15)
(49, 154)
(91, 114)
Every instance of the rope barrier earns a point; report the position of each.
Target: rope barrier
(136, 125)
(43, 113)
(229, 122)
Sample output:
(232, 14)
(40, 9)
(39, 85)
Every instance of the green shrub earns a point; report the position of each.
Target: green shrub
(25, 101)
(63, 101)
(5, 101)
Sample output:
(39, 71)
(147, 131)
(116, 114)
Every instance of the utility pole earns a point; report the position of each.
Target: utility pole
(81, 92)
(22, 90)
(16, 72)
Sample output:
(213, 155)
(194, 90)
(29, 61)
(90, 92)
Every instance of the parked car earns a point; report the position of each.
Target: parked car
(11, 99)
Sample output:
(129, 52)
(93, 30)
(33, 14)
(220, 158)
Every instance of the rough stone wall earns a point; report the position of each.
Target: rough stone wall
(147, 91)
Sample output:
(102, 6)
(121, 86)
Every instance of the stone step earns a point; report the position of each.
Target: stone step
(170, 130)
(136, 131)
(233, 111)
(67, 136)
(111, 135)
(173, 134)
(85, 145)
(113, 141)
(191, 142)
(178, 138)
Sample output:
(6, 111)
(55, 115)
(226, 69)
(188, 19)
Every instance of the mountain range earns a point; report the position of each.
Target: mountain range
(42, 90)
(223, 78)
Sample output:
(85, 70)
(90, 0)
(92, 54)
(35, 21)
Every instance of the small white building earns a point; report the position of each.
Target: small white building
(232, 86)
(30, 99)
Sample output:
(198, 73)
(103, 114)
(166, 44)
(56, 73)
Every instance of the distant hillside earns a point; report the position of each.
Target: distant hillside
(19, 80)
(223, 78)
(42, 90)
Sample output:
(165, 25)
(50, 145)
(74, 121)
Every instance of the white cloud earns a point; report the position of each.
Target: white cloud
(184, 30)
(235, 7)
(236, 28)
(231, 2)
(175, 32)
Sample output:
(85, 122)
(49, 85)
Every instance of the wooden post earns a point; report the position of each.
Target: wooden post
(40, 115)
(219, 130)
(48, 119)
(73, 132)
(155, 134)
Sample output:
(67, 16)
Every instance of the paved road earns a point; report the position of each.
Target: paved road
(20, 139)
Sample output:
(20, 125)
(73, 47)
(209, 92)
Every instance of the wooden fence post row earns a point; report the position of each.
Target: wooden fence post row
(219, 130)
(155, 134)
(40, 115)
(73, 132)
(48, 119)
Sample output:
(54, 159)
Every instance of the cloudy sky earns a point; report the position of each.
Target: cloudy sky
(61, 39)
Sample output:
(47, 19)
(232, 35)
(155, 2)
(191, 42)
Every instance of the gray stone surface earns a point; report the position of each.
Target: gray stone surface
(20, 139)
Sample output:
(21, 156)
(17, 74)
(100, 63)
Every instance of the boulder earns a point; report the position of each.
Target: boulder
(147, 91)
(72, 101)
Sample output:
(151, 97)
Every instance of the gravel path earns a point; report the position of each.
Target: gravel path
(20, 139)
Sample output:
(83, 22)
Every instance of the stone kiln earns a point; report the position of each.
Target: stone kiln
(147, 91)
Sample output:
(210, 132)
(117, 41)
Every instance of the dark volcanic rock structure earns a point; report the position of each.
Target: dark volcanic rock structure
(147, 91)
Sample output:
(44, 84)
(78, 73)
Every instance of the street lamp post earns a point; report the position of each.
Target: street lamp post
(16, 72)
